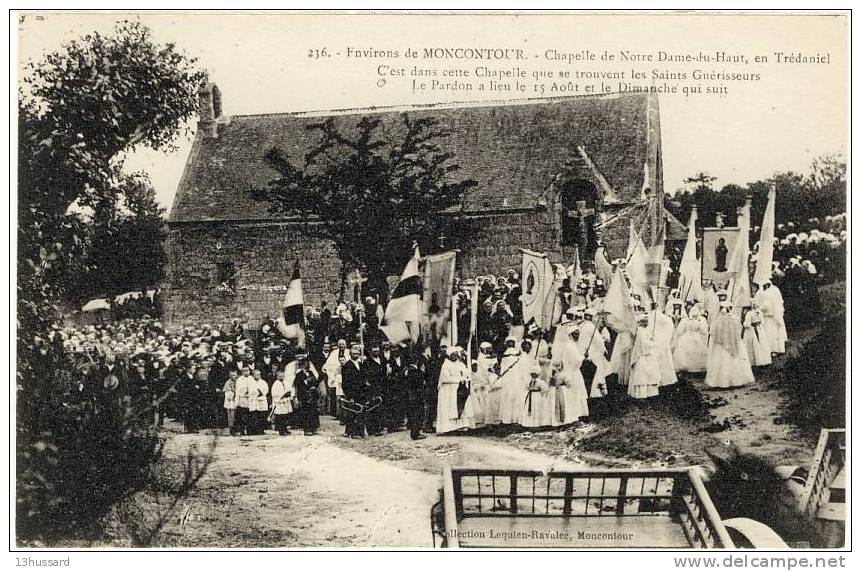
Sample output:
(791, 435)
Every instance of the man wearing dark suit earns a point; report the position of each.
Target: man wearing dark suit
(396, 394)
(355, 384)
(377, 374)
(414, 385)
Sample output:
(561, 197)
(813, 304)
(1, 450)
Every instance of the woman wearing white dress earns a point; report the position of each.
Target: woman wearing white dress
(453, 374)
(623, 346)
(758, 348)
(689, 352)
(486, 363)
(645, 362)
(727, 365)
(568, 401)
(770, 302)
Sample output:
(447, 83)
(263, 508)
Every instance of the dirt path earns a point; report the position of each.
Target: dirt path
(325, 490)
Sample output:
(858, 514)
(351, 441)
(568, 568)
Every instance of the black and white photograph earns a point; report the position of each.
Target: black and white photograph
(430, 281)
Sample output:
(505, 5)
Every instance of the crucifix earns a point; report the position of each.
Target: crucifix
(585, 217)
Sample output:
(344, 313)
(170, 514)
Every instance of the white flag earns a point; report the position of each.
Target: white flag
(690, 269)
(765, 256)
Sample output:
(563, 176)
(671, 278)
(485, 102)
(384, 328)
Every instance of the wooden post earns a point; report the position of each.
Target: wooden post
(569, 493)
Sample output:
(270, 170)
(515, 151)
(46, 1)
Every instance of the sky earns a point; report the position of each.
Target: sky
(261, 64)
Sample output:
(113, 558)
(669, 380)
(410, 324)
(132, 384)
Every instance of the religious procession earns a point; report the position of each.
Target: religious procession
(538, 349)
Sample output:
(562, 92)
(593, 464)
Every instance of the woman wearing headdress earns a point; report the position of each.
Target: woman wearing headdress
(567, 398)
(675, 306)
(758, 348)
(453, 413)
(487, 376)
(689, 351)
(513, 369)
(770, 302)
(727, 364)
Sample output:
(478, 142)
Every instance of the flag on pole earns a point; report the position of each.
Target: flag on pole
(646, 184)
(452, 327)
(438, 287)
(739, 281)
(291, 324)
(603, 267)
(765, 256)
(404, 305)
(690, 268)
(617, 304)
(473, 310)
(636, 266)
(537, 287)
(655, 263)
(473, 320)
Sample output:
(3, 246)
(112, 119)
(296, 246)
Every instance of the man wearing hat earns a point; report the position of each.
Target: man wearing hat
(305, 384)
(396, 389)
(377, 374)
(415, 379)
(356, 388)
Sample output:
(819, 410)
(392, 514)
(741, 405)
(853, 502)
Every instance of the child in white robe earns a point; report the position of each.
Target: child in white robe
(689, 352)
(244, 384)
(229, 390)
(567, 398)
(536, 412)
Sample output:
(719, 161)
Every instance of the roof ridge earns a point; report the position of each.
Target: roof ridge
(441, 105)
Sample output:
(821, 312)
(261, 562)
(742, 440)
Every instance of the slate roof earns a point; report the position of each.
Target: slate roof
(512, 149)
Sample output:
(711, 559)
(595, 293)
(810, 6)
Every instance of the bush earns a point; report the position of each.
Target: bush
(814, 382)
(77, 454)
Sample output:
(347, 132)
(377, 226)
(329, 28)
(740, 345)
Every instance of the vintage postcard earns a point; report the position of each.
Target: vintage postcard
(351, 280)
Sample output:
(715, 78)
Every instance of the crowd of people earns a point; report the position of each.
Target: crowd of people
(509, 374)
(250, 381)
(806, 256)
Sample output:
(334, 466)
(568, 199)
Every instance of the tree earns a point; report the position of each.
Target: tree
(373, 193)
(80, 109)
(124, 244)
(822, 192)
(701, 181)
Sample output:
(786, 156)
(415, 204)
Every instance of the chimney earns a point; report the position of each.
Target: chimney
(209, 98)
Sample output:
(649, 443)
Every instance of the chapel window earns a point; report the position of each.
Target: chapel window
(225, 277)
